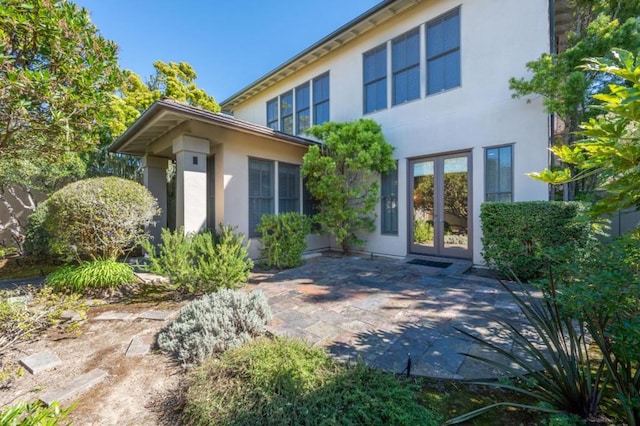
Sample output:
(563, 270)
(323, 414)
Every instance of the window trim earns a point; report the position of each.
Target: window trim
(440, 19)
(403, 38)
(375, 51)
(512, 174)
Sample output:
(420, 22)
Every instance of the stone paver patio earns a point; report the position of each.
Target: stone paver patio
(381, 310)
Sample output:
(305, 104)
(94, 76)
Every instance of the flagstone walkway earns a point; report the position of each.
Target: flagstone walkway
(383, 310)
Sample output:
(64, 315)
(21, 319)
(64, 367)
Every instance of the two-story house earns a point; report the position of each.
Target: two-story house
(433, 73)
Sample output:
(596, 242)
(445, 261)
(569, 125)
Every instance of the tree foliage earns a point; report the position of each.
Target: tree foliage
(610, 143)
(597, 26)
(57, 75)
(341, 175)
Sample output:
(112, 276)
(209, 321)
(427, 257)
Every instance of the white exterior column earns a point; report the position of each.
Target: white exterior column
(191, 178)
(154, 171)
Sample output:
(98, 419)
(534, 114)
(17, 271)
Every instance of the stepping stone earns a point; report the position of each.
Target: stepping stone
(139, 346)
(40, 362)
(71, 316)
(75, 387)
(155, 315)
(111, 315)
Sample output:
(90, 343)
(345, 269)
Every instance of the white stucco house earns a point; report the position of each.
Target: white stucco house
(433, 73)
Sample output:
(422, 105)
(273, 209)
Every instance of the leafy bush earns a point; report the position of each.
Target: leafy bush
(517, 236)
(214, 323)
(99, 218)
(284, 239)
(98, 274)
(34, 414)
(422, 231)
(37, 241)
(287, 382)
(201, 262)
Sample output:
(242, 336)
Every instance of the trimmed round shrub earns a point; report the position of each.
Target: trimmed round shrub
(98, 274)
(99, 218)
(214, 323)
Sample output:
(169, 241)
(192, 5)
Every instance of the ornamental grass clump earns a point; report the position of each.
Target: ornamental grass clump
(96, 275)
(215, 323)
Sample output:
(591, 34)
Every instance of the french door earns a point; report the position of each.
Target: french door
(439, 205)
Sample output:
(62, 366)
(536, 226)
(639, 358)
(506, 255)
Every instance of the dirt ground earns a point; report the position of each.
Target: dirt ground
(138, 390)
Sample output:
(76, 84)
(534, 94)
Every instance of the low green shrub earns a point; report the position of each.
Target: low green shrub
(95, 275)
(517, 237)
(287, 382)
(422, 231)
(284, 239)
(99, 218)
(202, 262)
(34, 414)
(215, 323)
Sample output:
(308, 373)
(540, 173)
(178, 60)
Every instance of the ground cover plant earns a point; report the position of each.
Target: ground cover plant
(97, 275)
(286, 382)
(201, 262)
(215, 323)
(34, 414)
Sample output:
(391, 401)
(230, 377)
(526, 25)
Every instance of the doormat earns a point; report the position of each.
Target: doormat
(431, 263)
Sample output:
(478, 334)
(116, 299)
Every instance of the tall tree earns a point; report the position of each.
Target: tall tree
(173, 80)
(595, 27)
(57, 74)
(341, 176)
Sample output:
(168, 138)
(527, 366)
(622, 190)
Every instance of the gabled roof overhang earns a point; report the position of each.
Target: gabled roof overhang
(367, 21)
(166, 116)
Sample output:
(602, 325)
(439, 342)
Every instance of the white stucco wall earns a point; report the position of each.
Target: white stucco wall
(498, 37)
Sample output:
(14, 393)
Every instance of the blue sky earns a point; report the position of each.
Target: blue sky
(229, 43)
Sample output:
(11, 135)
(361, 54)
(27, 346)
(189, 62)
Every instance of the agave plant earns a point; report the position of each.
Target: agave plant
(555, 367)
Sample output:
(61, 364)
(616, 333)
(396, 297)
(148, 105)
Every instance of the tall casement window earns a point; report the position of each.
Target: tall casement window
(288, 188)
(303, 111)
(261, 192)
(321, 99)
(375, 79)
(443, 52)
(405, 64)
(498, 172)
(286, 112)
(389, 202)
(272, 114)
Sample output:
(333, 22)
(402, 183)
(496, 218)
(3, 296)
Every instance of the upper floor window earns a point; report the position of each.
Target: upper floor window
(375, 79)
(498, 173)
(303, 112)
(272, 114)
(405, 63)
(443, 52)
(286, 112)
(321, 99)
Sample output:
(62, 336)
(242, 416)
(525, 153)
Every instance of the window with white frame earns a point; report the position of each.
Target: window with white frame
(443, 52)
(272, 114)
(321, 99)
(389, 202)
(261, 191)
(405, 64)
(498, 173)
(374, 64)
(286, 112)
(303, 110)
(288, 188)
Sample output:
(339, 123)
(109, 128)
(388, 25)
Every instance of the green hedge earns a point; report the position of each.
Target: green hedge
(284, 239)
(518, 237)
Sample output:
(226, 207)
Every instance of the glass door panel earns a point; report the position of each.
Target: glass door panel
(455, 203)
(423, 204)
